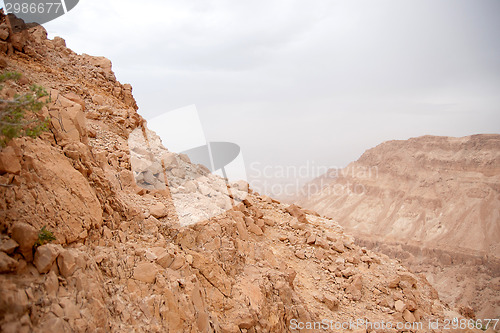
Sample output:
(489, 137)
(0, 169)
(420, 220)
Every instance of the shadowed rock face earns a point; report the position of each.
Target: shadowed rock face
(121, 260)
(428, 197)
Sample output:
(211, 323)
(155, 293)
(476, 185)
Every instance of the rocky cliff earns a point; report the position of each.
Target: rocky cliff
(122, 260)
(433, 202)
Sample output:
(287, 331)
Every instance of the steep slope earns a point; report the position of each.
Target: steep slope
(124, 261)
(428, 200)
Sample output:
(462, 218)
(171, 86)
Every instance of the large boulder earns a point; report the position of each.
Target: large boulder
(65, 201)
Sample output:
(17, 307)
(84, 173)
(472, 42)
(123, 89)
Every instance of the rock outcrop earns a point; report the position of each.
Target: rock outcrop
(123, 260)
(433, 202)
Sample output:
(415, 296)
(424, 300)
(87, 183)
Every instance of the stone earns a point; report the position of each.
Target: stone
(18, 33)
(184, 158)
(190, 187)
(9, 161)
(107, 233)
(338, 246)
(99, 100)
(75, 98)
(411, 305)
(51, 283)
(7, 264)
(319, 253)
(295, 224)
(66, 262)
(248, 221)
(355, 288)
(56, 309)
(146, 272)
(165, 259)
(100, 62)
(348, 272)
(269, 222)
(321, 242)
(5, 47)
(59, 42)
(8, 245)
(245, 321)
(300, 254)
(170, 161)
(158, 210)
(67, 118)
(295, 211)
(408, 278)
(45, 256)
(255, 229)
(55, 325)
(4, 31)
(311, 239)
(418, 314)
(71, 310)
(178, 262)
(242, 231)
(179, 173)
(399, 306)
(408, 316)
(26, 236)
(331, 302)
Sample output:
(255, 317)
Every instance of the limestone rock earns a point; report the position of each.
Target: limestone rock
(45, 256)
(7, 264)
(408, 316)
(338, 246)
(255, 229)
(331, 302)
(51, 283)
(399, 306)
(158, 210)
(8, 245)
(26, 236)
(75, 98)
(9, 161)
(67, 118)
(295, 211)
(4, 31)
(101, 62)
(355, 288)
(146, 272)
(66, 261)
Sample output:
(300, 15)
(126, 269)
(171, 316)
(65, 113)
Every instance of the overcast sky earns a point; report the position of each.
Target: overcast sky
(294, 81)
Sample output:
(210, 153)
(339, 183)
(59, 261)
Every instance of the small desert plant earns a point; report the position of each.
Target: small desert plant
(44, 236)
(19, 116)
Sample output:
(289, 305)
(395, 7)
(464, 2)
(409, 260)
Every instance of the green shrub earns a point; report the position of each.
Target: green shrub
(20, 116)
(44, 236)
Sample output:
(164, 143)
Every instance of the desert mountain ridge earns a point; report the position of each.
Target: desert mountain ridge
(430, 201)
(122, 261)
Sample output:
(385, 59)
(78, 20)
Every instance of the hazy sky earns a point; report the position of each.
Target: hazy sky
(296, 81)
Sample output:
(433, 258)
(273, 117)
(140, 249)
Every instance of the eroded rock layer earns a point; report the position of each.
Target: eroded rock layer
(433, 202)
